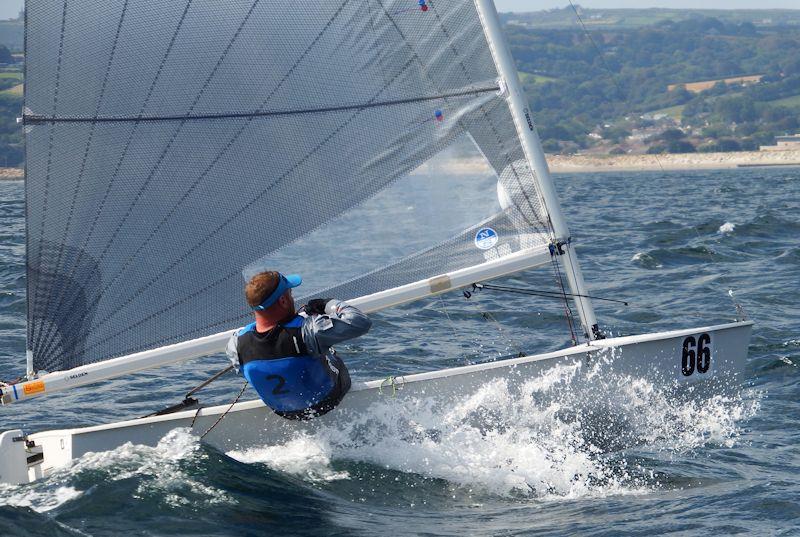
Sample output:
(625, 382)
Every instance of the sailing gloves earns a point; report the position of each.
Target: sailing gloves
(316, 306)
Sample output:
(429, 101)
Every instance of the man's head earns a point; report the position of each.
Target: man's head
(270, 295)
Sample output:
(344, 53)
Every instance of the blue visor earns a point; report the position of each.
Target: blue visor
(285, 283)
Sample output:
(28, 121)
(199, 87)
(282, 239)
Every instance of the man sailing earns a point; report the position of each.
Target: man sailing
(286, 355)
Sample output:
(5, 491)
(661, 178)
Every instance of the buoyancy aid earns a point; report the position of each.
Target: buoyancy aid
(291, 381)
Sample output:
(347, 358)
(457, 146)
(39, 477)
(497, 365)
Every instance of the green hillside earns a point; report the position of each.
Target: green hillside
(564, 18)
(610, 85)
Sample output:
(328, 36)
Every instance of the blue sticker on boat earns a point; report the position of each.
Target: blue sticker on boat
(486, 238)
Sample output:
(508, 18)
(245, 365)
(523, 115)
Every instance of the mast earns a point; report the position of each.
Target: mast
(532, 146)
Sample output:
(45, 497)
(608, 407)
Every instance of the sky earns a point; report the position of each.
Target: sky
(10, 8)
(535, 5)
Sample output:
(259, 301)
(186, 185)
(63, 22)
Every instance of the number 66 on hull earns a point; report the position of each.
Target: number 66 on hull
(697, 355)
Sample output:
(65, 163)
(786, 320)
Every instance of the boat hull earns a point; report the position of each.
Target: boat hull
(712, 358)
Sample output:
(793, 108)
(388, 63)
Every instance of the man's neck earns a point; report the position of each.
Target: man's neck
(265, 325)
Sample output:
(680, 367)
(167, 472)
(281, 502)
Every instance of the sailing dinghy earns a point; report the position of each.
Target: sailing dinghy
(171, 143)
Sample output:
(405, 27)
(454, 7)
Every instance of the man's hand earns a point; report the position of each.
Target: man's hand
(316, 306)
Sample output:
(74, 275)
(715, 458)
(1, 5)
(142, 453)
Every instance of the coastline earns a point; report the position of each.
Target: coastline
(601, 163)
(679, 161)
(12, 174)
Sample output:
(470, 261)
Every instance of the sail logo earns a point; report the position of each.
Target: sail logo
(530, 119)
(486, 238)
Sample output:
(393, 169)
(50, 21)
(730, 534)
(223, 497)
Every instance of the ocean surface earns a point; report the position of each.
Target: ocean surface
(673, 244)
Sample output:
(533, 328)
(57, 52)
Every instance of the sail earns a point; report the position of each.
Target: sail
(175, 146)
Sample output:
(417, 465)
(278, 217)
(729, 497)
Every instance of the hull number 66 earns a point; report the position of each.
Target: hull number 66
(696, 357)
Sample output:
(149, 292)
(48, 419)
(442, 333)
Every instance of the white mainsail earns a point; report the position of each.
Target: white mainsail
(153, 165)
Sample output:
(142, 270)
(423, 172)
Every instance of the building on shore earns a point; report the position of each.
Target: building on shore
(784, 143)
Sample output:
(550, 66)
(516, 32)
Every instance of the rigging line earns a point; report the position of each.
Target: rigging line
(602, 57)
(513, 343)
(578, 303)
(205, 383)
(452, 325)
(488, 317)
(125, 150)
(188, 400)
(538, 292)
(597, 49)
(38, 120)
(567, 311)
(222, 416)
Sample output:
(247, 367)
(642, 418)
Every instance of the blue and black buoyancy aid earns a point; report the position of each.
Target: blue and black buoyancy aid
(291, 381)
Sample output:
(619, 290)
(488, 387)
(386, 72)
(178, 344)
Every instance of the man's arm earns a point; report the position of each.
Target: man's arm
(231, 350)
(340, 322)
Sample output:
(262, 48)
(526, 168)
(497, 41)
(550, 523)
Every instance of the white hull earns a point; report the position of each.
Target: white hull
(659, 357)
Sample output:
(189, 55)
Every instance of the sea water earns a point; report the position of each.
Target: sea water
(629, 459)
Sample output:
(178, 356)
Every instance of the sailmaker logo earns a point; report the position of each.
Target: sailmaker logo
(486, 238)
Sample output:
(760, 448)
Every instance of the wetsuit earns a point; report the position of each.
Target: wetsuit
(293, 367)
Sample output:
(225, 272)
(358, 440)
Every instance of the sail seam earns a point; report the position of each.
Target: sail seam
(39, 120)
(38, 285)
(46, 336)
(122, 158)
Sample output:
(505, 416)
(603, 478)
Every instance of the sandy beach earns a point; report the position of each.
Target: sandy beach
(11, 174)
(683, 161)
(602, 163)
(622, 163)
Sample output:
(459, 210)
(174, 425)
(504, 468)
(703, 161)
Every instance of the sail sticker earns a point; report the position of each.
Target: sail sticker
(438, 117)
(422, 5)
(486, 238)
(36, 386)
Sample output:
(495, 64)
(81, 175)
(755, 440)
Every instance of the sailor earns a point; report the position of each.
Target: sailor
(286, 354)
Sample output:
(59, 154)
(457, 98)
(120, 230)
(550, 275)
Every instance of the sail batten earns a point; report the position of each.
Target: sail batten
(173, 145)
(37, 120)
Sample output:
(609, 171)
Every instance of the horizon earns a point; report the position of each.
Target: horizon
(9, 9)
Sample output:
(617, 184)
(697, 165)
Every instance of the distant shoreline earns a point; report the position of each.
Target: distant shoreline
(681, 161)
(11, 174)
(605, 163)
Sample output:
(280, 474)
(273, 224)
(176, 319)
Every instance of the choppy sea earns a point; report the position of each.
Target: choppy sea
(673, 244)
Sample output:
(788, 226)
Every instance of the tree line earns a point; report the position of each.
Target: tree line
(603, 76)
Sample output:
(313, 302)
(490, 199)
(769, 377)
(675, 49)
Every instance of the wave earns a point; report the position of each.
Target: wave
(554, 437)
(160, 472)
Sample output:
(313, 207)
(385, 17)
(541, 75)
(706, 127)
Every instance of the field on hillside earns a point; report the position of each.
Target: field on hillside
(16, 91)
(792, 102)
(635, 18)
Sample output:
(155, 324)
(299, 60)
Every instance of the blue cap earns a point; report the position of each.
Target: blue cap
(284, 283)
